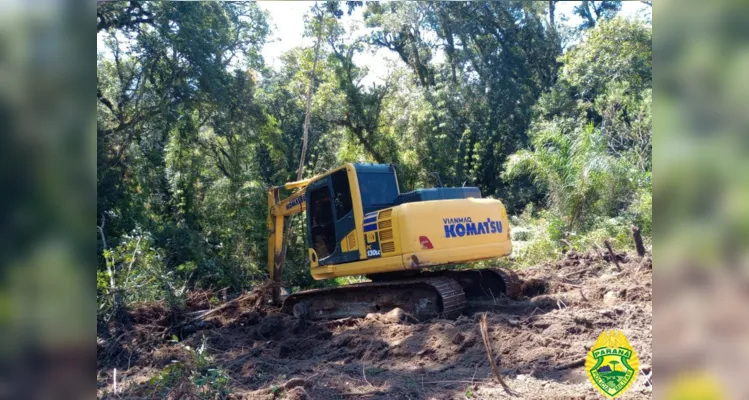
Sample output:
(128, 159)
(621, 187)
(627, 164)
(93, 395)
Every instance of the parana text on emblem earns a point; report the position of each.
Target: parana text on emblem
(612, 364)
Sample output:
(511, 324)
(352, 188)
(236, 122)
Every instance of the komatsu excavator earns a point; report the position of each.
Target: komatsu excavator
(358, 223)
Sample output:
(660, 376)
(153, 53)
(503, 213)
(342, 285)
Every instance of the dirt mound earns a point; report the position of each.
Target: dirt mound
(122, 343)
(247, 351)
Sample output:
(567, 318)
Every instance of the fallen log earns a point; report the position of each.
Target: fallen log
(612, 255)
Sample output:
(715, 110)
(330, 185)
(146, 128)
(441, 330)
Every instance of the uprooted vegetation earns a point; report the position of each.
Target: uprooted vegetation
(244, 348)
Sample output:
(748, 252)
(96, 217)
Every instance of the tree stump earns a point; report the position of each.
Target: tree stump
(638, 241)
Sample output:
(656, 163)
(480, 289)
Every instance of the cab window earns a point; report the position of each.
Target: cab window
(342, 191)
(378, 190)
(322, 222)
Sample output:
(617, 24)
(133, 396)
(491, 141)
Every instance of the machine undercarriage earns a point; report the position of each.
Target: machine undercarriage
(422, 294)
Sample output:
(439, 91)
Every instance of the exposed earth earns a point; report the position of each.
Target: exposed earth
(247, 350)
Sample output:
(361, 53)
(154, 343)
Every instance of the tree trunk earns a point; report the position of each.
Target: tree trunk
(305, 135)
(300, 170)
(113, 290)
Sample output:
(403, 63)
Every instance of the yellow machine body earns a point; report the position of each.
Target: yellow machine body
(412, 235)
(427, 234)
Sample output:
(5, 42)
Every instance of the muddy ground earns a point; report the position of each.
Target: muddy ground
(249, 351)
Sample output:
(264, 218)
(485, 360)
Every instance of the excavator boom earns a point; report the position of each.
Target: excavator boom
(277, 210)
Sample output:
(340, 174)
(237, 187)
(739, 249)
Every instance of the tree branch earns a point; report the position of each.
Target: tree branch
(219, 162)
(359, 134)
(107, 103)
(134, 14)
(300, 170)
(585, 7)
(130, 266)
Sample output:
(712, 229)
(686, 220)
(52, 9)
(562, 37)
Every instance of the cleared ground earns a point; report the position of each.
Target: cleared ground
(251, 351)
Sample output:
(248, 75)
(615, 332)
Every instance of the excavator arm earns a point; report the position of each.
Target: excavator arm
(277, 210)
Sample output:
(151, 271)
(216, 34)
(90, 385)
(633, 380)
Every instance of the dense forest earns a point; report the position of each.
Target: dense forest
(193, 126)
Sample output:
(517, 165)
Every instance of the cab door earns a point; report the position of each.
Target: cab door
(330, 218)
(321, 220)
(348, 249)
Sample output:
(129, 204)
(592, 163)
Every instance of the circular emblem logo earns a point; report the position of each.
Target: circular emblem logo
(612, 364)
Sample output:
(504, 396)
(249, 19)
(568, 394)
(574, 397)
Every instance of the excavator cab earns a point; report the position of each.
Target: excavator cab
(335, 202)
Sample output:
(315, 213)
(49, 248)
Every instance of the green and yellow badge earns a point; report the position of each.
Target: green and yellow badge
(612, 364)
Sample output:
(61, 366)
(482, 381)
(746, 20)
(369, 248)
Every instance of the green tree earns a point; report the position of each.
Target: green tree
(499, 59)
(614, 364)
(591, 135)
(176, 124)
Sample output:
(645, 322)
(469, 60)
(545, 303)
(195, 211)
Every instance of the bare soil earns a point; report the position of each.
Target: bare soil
(539, 343)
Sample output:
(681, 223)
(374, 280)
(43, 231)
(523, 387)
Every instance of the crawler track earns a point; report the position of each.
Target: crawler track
(424, 295)
(424, 298)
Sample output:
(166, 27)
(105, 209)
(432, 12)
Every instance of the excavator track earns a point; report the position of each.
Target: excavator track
(422, 294)
(488, 283)
(423, 298)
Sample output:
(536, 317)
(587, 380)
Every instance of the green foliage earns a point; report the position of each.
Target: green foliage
(615, 51)
(138, 274)
(177, 125)
(641, 210)
(591, 144)
(576, 170)
(539, 238)
(193, 128)
(471, 111)
(205, 380)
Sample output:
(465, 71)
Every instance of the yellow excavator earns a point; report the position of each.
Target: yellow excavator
(358, 223)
